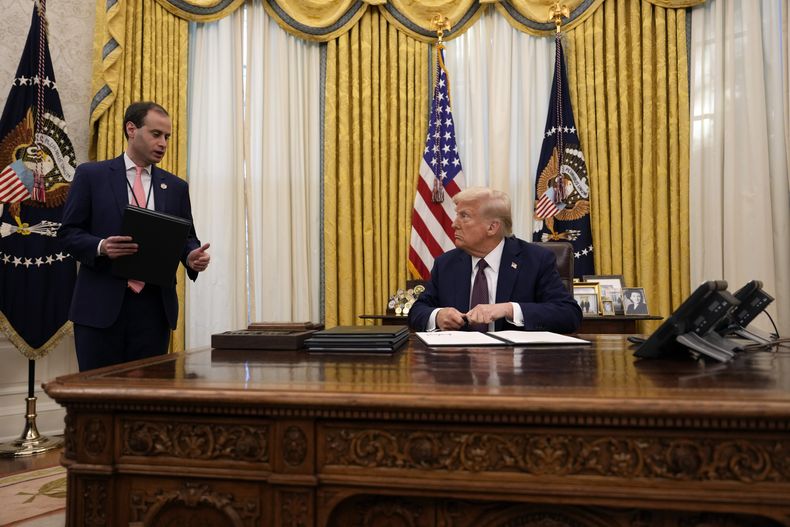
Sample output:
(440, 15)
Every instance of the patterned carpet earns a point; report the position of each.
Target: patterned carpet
(36, 498)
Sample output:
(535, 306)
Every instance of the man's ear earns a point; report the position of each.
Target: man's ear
(130, 129)
(493, 227)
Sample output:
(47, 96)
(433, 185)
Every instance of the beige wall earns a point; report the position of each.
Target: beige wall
(70, 43)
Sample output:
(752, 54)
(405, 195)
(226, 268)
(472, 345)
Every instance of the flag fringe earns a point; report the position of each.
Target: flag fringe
(25, 348)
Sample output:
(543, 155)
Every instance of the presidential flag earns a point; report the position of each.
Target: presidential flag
(441, 178)
(562, 188)
(37, 165)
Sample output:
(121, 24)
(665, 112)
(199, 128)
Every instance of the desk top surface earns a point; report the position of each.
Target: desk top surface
(604, 375)
(404, 319)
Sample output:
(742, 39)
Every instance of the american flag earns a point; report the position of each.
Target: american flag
(441, 178)
(545, 207)
(12, 189)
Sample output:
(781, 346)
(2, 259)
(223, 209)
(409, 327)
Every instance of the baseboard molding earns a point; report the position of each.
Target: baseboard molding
(48, 423)
(13, 389)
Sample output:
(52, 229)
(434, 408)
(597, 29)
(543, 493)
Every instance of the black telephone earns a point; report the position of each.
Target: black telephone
(691, 328)
(753, 301)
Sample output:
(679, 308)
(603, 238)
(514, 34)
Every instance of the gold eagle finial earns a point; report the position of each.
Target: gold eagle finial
(440, 24)
(557, 12)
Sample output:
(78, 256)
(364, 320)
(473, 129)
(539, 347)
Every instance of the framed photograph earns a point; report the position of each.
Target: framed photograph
(588, 296)
(607, 306)
(635, 301)
(611, 286)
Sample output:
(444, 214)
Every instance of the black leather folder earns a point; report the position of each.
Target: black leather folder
(363, 332)
(160, 239)
(358, 339)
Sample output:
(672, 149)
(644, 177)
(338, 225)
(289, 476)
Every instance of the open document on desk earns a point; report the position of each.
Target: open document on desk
(458, 338)
(536, 337)
(495, 338)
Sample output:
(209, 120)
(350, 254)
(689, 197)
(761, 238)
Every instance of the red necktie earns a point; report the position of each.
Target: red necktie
(139, 198)
(479, 293)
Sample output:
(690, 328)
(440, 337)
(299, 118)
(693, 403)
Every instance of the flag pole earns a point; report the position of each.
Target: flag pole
(440, 24)
(556, 13)
(30, 442)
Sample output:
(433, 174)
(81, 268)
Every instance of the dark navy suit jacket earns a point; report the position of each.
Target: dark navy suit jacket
(527, 275)
(94, 210)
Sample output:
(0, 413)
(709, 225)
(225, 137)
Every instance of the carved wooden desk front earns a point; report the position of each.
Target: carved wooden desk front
(494, 437)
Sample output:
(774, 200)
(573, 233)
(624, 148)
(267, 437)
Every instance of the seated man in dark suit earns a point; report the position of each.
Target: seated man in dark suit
(519, 286)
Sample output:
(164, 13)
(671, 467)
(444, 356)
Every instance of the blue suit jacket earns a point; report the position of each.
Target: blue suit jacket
(527, 275)
(94, 210)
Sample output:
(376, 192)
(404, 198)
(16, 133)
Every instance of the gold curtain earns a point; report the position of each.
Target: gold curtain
(375, 121)
(628, 73)
(140, 53)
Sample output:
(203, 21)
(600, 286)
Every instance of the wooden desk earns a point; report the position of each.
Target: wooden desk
(621, 324)
(495, 437)
(624, 325)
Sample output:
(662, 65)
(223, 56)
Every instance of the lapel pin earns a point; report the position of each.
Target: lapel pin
(163, 186)
(514, 265)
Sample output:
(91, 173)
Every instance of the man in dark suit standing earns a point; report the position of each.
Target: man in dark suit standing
(523, 287)
(118, 320)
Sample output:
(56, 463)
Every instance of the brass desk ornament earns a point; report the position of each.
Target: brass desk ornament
(400, 303)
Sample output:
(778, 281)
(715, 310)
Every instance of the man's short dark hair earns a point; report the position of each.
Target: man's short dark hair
(137, 111)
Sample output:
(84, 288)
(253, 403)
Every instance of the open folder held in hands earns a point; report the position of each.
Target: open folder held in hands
(160, 239)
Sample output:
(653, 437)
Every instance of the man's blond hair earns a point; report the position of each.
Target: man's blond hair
(494, 205)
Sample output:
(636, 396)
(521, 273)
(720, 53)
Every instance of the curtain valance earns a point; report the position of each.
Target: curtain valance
(199, 10)
(324, 20)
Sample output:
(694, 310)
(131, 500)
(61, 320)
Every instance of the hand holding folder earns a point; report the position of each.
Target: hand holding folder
(160, 240)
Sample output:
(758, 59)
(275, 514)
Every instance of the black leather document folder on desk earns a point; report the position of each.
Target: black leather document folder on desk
(358, 339)
(160, 238)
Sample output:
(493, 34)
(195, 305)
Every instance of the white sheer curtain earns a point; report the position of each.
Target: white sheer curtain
(217, 301)
(284, 172)
(500, 81)
(740, 201)
(785, 49)
(254, 173)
